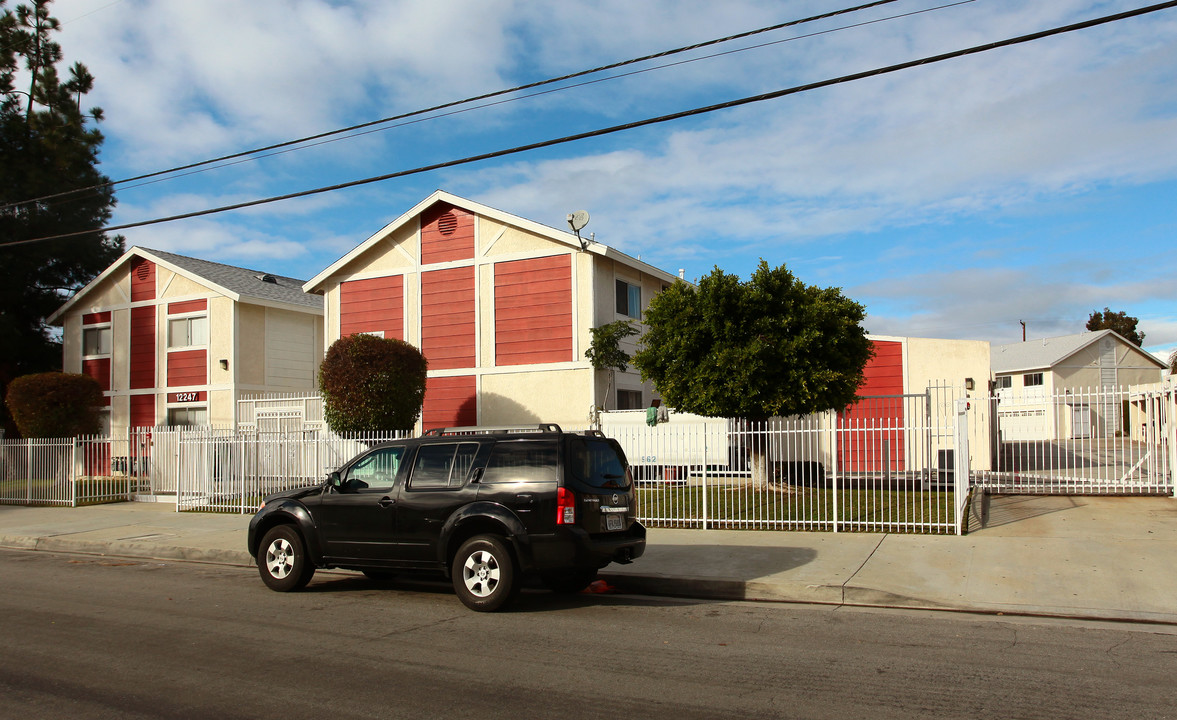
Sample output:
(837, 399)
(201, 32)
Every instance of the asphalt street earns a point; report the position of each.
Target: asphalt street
(101, 637)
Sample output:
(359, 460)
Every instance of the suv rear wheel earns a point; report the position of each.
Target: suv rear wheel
(484, 574)
(282, 560)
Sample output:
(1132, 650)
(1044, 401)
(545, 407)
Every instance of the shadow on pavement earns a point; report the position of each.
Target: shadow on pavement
(1000, 510)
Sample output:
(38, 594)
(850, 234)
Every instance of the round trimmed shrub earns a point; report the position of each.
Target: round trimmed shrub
(54, 404)
(372, 384)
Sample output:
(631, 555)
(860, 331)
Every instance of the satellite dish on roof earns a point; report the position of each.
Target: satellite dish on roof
(578, 220)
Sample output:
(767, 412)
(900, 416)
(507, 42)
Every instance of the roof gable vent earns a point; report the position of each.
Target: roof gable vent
(447, 223)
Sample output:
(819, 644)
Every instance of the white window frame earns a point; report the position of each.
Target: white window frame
(186, 408)
(630, 406)
(99, 328)
(631, 311)
(1027, 377)
(1004, 382)
(187, 320)
(104, 422)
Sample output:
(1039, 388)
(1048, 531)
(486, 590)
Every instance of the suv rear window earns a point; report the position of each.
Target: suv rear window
(595, 462)
(525, 461)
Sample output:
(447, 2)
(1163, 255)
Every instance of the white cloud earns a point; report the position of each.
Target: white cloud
(211, 240)
(984, 138)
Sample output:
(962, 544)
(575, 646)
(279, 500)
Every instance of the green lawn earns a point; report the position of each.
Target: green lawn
(90, 491)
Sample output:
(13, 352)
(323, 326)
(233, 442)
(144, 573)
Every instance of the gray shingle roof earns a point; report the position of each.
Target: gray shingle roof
(1040, 354)
(244, 282)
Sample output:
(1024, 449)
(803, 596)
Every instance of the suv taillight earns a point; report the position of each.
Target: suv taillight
(565, 507)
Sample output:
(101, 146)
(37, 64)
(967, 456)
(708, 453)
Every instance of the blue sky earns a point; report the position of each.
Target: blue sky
(1031, 183)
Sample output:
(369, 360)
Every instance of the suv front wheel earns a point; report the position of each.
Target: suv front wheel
(484, 574)
(282, 560)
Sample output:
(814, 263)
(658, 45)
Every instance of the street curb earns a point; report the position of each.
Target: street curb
(126, 549)
(723, 589)
(739, 590)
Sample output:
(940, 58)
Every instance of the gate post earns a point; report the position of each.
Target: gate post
(961, 470)
(834, 492)
(1170, 428)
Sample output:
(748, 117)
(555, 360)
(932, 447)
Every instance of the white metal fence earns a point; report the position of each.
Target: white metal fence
(1093, 441)
(888, 464)
(884, 465)
(65, 471)
(225, 471)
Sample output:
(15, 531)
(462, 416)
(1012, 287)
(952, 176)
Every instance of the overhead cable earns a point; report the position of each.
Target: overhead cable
(639, 123)
(455, 103)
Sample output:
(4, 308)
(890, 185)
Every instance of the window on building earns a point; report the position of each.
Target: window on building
(629, 300)
(1032, 379)
(96, 341)
(188, 331)
(187, 416)
(1005, 381)
(629, 400)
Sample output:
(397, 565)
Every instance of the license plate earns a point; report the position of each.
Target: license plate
(613, 522)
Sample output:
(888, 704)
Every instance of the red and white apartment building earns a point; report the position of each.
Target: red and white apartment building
(174, 340)
(501, 306)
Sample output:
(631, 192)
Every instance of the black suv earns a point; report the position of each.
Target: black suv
(481, 505)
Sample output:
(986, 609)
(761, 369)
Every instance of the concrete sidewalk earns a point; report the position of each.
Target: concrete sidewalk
(1092, 557)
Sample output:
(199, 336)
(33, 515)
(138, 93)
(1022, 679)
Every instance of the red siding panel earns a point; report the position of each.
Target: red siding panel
(142, 279)
(95, 318)
(373, 305)
(875, 439)
(142, 355)
(884, 372)
(533, 311)
(447, 318)
(187, 367)
(447, 234)
(142, 410)
(99, 369)
(187, 306)
(450, 402)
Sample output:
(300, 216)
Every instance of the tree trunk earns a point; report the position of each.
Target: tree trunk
(759, 466)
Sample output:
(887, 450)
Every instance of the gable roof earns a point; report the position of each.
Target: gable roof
(238, 284)
(560, 236)
(1048, 352)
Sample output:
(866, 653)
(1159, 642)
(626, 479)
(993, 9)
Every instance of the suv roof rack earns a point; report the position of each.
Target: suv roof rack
(487, 429)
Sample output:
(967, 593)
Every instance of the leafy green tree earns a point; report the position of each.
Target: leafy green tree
(54, 404)
(372, 384)
(1121, 322)
(47, 146)
(769, 347)
(605, 351)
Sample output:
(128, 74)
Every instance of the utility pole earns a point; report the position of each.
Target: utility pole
(1023, 322)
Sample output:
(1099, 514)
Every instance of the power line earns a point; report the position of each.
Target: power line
(536, 94)
(549, 91)
(639, 123)
(455, 103)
